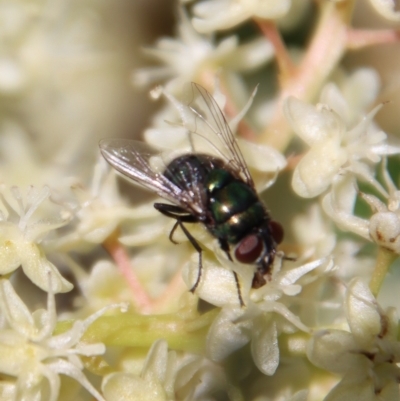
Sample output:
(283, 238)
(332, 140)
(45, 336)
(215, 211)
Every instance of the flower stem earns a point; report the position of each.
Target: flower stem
(121, 258)
(383, 262)
(360, 38)
(324, 52)
(271, 32)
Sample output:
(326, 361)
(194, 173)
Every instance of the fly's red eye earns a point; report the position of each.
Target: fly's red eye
(276, 231)
(249, 249)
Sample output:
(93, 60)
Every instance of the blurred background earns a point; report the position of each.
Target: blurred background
(66, 66)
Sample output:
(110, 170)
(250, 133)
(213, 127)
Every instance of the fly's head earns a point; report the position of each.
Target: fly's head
(259, 248)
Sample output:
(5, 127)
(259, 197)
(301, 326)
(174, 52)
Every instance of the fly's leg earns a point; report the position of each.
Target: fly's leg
(238, 289)
(198, 249)
(225, 247)
(182, 216)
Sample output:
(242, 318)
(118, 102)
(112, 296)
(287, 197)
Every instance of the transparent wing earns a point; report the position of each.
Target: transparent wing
(210, 118)
(133, 160)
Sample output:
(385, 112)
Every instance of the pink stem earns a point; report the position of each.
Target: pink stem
(325, 50)
(121, 259)
(360, 38)
(270, 31)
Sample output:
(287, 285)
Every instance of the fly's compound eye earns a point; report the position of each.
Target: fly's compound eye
(276, 231)
(249, 249)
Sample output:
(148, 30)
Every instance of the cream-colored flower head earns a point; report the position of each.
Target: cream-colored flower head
(191, 57)
(166, 375)
(21, 236)
(98, 210)
(366, 355)
(334, 147)
(383, 226)
(266, 314)
(30, 353)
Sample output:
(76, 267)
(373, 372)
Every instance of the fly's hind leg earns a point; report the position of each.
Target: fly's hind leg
(182, 216)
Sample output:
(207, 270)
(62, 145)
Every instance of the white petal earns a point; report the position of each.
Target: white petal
(217, 284)
(156, 362)
(262, 157)
(187, 371)
(344, 220)
(54, 383)
(264, 346)
(217, 15)
(291, 276)
(344, 192)
(362, 313)
(361, 89)
(272, 9)
(9, 255)
(225, 336)
(250, 55)
(333, 350)
(64, 367)
(15, 310)
(310, 124)
(278, 307)
(8, 391)
(316, 169)
(332, 96)
(166, 138)
(37, 268)
(353, 390)
(126, 387)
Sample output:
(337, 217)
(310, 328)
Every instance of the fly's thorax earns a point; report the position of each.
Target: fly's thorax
(218, 179)
(191, 169)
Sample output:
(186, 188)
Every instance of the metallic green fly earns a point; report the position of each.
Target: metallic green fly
(216, 191)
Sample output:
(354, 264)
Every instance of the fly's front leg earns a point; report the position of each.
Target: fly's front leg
(182, 216)
(225, 247)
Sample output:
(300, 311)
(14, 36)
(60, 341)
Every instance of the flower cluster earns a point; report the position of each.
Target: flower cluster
(218, 302)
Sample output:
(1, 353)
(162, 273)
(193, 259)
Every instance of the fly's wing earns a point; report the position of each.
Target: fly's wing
(132, 159)
(209, 117)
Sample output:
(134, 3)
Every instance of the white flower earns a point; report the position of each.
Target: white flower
(166, 375)
(333, 147)
(383, 227)
(314, 232)
(102, 287)
(21, 237)
(367, 356)
(265, 316)
(191, 56)
(99, 210)
(34, 356)
(212, 15)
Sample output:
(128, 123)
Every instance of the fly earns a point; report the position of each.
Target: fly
(216, 191)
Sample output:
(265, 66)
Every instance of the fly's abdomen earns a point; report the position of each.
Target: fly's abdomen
(236, 210)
